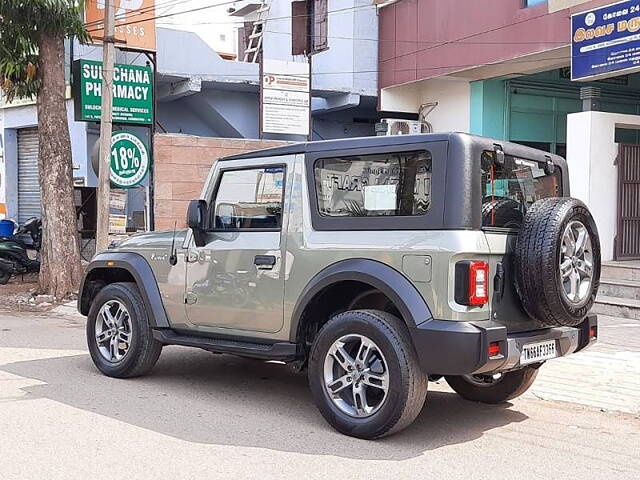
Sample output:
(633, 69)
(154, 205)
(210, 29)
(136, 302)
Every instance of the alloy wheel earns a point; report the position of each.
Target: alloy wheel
(576, 262)
(113, 331)
(356, 375)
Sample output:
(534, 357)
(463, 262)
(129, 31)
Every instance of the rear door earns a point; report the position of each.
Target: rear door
(509, 189)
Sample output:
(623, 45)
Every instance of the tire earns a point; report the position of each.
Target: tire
(4, 276)
(501, 212)
(545, 291)
(406, 383)
(143, 350)
(509, 386)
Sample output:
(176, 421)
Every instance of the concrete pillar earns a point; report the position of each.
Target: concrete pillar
(593, 175)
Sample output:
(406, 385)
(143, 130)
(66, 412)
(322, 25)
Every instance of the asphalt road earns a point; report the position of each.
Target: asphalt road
(200, 415)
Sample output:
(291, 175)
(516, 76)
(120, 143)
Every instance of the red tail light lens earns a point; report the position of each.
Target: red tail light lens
(478, 283)
(494, 349)
(472, 283)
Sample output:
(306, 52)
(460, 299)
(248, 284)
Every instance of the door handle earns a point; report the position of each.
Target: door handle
(265, 262)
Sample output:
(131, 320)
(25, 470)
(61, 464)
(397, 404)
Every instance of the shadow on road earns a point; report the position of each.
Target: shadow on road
(200, 397)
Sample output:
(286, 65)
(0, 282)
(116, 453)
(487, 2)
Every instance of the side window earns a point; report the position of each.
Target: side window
(249, 199)
(511, 188)
(390, 184)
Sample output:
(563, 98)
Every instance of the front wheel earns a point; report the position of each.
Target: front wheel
(119, 335)
(364, 374)
(496, 388)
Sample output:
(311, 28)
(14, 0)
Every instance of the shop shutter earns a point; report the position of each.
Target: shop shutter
(29, 203)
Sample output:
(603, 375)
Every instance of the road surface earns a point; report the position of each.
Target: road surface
(200, 415)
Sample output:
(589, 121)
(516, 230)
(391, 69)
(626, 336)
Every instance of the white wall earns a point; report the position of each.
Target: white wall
(453, 96)
(593, 176)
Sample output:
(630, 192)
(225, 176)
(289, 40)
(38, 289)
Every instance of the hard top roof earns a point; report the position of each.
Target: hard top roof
(393, 140)
(342, 144)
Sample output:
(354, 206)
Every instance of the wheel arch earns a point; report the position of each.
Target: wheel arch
(111, 267)
(412, 308)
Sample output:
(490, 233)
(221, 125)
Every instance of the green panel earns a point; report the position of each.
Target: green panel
(531, 102)
(132, 92)
(488, 105)
(568, 105)
(532, 127)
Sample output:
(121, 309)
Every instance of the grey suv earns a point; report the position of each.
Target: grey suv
(377, 264)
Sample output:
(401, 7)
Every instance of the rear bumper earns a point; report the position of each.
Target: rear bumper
(459, 348)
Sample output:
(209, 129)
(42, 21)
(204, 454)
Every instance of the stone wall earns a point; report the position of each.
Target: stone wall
(181, 166)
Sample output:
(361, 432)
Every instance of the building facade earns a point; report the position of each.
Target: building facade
(503, 69)
(201, 90)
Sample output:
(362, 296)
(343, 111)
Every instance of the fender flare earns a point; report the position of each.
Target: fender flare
(393, 284)
(141, 272)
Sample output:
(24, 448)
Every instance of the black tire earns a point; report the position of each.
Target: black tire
(537, 270)
(4, 276)
(407, 387)
(143, 351)
(501, 212)
(510, 385)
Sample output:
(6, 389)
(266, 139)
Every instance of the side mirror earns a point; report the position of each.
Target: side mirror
(197, 220)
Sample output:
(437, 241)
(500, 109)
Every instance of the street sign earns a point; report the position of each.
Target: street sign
(129, 159)
(285, 97)
(605, 42)
(135, 26)
(132, 92)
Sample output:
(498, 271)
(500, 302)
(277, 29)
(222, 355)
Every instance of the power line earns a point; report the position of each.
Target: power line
(140, 11)
(345, 72)
(226, 3)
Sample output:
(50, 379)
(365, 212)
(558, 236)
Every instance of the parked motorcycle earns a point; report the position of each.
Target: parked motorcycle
(18, 256)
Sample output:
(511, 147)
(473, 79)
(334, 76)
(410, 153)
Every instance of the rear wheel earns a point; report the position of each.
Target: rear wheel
(119, 334)
(364, 374)
(496, 388)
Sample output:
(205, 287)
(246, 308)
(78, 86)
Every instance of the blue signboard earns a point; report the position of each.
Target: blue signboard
(605, 41)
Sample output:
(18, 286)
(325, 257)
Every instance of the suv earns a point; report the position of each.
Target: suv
(377, 264)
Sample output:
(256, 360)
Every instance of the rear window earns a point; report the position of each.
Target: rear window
(389, 184)
(511, 188)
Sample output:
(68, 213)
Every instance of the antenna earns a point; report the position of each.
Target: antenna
(173, 258)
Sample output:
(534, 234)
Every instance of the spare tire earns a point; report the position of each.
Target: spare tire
(557, 261)
(501, 212)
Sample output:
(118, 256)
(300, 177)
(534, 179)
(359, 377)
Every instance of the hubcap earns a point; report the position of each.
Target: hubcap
(356, 375)
(113, 331)
(576, 262)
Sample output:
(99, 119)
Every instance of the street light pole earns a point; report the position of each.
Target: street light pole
(108, 61)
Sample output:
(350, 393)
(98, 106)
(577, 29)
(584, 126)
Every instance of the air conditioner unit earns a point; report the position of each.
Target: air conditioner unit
(396, 126)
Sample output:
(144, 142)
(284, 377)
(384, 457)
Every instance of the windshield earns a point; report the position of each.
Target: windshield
(511, 188)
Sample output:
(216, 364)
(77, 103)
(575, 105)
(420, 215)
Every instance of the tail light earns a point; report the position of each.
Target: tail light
(472, 283)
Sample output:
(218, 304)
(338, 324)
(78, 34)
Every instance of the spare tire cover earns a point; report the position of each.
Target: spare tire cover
(557, 261)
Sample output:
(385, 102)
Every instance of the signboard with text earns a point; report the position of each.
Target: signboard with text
(286, 97)
(135, 25)
(132, 92)
(130, 159)
(606, 41)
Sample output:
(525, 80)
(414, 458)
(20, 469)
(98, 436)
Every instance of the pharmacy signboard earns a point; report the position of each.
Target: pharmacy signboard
(605, 41)
(132, 92)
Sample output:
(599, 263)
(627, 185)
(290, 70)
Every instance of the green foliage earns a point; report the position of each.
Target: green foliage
(21, 24)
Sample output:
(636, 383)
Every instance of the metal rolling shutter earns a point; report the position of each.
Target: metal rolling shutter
(29, 202)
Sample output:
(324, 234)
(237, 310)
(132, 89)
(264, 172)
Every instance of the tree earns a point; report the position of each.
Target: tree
(32, 34)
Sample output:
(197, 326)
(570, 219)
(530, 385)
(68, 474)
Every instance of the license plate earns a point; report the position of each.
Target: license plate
(537, 352)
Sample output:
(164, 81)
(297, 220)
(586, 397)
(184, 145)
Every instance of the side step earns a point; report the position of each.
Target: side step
(283, 351)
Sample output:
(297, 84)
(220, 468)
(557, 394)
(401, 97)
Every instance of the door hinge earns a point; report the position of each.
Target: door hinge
(190, 298)
(191, 257)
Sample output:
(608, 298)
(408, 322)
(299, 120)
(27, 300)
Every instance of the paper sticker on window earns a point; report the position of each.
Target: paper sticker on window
(380, 197)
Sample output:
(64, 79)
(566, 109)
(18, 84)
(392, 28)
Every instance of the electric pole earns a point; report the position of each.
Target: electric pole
(104, 172)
